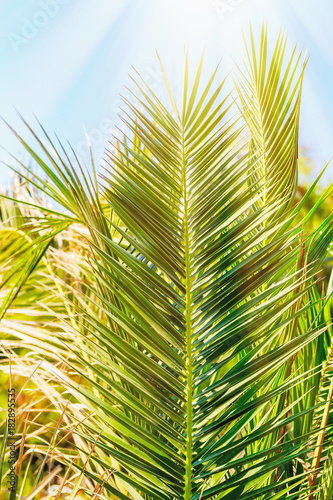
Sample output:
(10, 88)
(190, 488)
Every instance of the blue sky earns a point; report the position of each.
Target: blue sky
(67, 61)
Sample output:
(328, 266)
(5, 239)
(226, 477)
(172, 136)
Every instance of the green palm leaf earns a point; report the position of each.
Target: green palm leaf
(201, 302)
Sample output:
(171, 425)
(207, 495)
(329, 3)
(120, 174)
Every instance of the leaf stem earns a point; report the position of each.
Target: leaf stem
(188, 319)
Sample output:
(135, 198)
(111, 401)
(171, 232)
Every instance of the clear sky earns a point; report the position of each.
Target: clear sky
(67, 60)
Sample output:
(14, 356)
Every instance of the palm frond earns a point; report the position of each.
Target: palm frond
(197, 329)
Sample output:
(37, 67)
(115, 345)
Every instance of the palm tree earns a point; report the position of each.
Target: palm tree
(198, 333)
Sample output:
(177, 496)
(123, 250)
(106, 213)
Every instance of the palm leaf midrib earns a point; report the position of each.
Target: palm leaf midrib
(188, 325)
